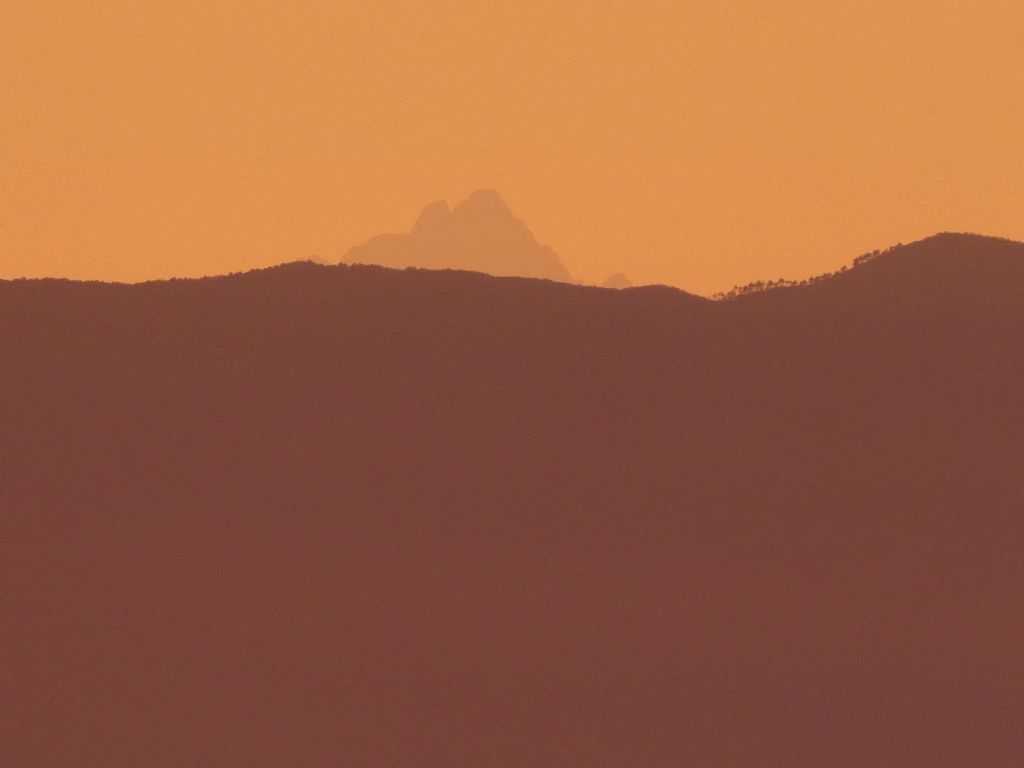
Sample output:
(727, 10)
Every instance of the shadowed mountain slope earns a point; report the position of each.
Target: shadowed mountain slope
(315, 514)
(480, 233)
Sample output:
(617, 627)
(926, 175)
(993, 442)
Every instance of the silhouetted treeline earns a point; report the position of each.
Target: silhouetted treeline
(758, 286)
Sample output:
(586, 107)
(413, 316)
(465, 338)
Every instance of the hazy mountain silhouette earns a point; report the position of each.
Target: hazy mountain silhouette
(479, 234)
(618, 280)
(314, 514)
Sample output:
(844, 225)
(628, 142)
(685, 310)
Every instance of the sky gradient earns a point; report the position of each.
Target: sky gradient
(699, 144)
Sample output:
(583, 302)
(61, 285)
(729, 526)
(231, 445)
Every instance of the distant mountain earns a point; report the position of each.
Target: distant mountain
(618, 280)
(479, 234)
(406, 518)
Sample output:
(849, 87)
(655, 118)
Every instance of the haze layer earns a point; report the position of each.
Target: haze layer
(700, 144)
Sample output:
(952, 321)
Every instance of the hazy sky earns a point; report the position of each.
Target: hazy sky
(700, 144)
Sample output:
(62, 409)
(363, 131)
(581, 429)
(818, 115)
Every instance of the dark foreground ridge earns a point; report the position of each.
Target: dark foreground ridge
(318, 515)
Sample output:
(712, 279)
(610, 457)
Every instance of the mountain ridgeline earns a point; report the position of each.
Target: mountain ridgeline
(317, 515)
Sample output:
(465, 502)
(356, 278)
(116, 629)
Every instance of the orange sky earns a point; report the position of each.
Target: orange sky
(700, 144)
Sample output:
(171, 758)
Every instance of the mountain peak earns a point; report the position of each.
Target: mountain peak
(485, 199)
(618, 280)
(480, 233)
(432, 218)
